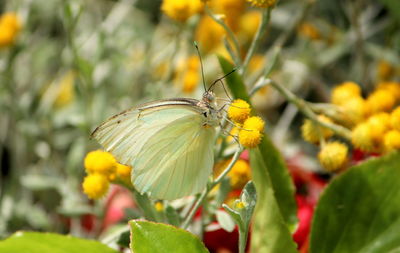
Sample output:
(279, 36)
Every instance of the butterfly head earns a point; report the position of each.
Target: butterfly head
(209, 97)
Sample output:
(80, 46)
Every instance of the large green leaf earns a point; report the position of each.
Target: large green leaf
(270, 233)
(150, 237)
(35, 242)
(281, 182)
(360, 210)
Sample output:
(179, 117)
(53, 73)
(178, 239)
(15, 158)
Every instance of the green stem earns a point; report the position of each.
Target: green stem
(266, 16)
(307, 111)
(203, 195)
(242, 240)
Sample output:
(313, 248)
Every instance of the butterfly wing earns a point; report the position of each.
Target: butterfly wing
(146, 134)
(177, 160)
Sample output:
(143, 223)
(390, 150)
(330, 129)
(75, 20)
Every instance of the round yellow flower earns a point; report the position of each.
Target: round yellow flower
(249, 138)
(355, 110)
(159, 206)
(393, 87)
(333, 156)
(95, 186)
(310, 31)
(254, 123)
(239, 110)
(123, 171)
(392, 140)
(361, 137)
(181, 10)
(262, 3)
(190, 81)
(380, 100)
(248, 25)
(209, 34)
(10, 26)
(312, 132)
(345, 91)
(240, 174)
(379, 123)
(100, 162)
(395, 119)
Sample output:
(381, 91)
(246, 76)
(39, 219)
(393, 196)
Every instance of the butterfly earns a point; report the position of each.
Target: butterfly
(168, 143)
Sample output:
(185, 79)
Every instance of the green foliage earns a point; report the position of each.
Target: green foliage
(360, 210)
(150, 237)
(35, 242)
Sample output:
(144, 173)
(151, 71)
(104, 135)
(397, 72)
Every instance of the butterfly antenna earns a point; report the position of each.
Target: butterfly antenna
(220, 80)
(201, 65)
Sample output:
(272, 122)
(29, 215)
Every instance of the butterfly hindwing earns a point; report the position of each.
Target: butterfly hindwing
(177, 160)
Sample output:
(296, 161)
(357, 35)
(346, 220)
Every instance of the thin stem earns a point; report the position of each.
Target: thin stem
(256, 40)
(307, 111)
(242, 240)
(203, 195)
(231, 35)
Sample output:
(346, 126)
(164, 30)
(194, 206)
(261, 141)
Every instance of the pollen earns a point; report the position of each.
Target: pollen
(239, 111)
(254, 123)
(95, 186)
(249, 138)
(333, 156)
(100, 162)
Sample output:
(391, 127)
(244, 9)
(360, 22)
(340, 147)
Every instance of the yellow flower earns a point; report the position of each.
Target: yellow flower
(209, 34)
(231, 9)
(345, 91)
(395, 119)
(256, 63)
(65, 90)
(240, 174)
(239, 110)
(393, 87)
(10, 26)
(100, 162)
(379, 123)
(95, 186)
(392, 140)
(248, 25)
(312, 132)
(190, 81)
(159, 206)
(254, 123)
(262, 3)
(380, 100)
(361, 138)
(333, 156)
(354, 109)
(123, 171)
(310, 31)
(239, 205)
(181, 10)
(249, 138)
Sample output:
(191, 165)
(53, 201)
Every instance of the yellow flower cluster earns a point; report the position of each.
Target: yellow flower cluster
(10, 25)
(239, 175)
(251, 128)
(102, 168)
(313, 132)
(233, 13)
(333, 156)
(187, 74)
(371, 119)
(181, 10)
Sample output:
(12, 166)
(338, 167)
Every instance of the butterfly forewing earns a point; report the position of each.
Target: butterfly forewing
(167, 144)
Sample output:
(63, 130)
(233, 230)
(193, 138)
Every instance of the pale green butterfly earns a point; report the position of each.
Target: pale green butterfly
(169, 144)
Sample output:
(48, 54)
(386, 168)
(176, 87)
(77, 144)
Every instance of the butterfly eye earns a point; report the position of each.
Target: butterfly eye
(209, 96)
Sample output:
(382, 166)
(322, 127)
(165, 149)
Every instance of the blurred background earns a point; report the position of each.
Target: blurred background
(66, 66)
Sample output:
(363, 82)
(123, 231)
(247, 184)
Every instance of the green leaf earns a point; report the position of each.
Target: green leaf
(35, 242)
(275, 167)
(225, 220)
(270, 233)
(150, 237)
(360, 210)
